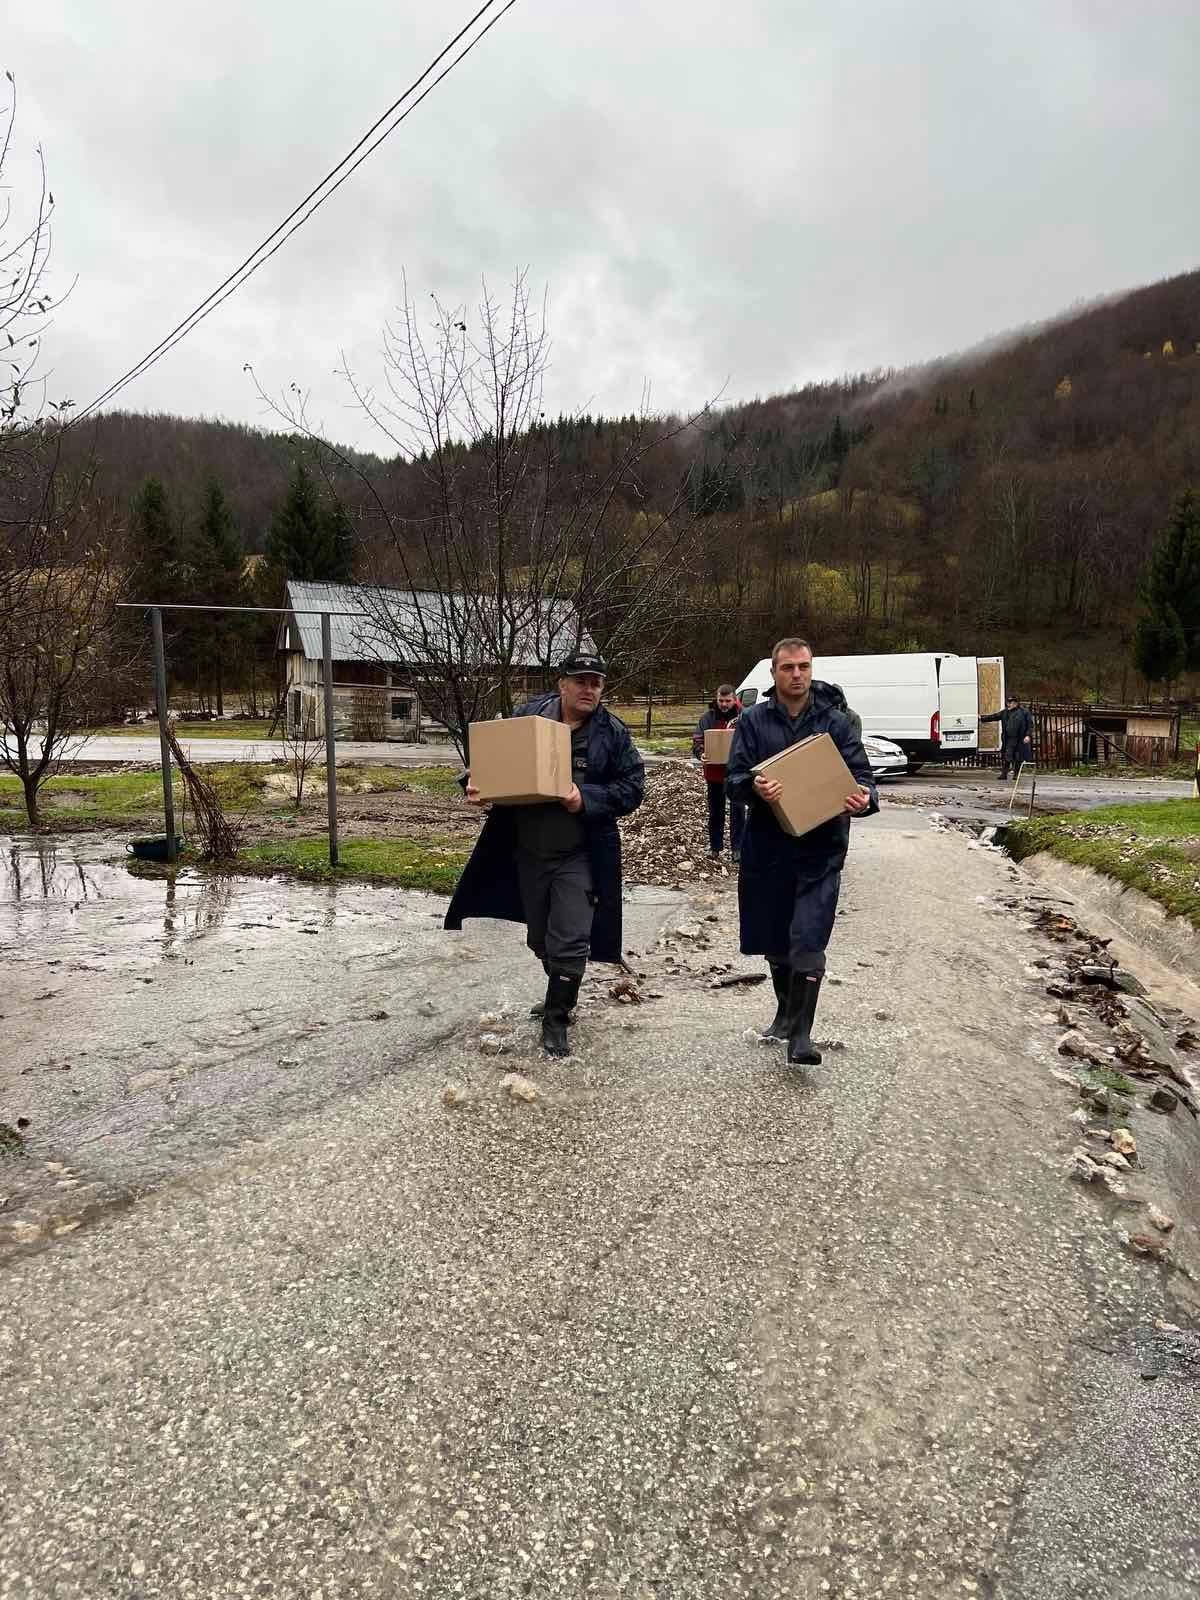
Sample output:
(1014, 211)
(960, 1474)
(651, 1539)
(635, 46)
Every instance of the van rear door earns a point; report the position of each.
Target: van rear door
(959, 699)
(991, 698)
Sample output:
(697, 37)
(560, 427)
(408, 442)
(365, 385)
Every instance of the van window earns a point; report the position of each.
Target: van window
(748, 696)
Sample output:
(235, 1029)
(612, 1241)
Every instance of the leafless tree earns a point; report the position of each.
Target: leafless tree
(302, 749)
(62, 646)
(29, 435)
(512, 540)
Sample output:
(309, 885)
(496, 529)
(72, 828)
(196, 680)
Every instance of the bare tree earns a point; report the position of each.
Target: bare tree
(29, 444)
(302, 748)
(62, 647)
(511, 539)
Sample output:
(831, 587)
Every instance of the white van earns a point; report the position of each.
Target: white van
(927, 703)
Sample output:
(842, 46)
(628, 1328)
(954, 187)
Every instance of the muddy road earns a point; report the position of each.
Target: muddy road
(345, 1316)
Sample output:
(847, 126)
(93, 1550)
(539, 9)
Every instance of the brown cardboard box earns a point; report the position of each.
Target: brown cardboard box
(521, 761)
(716, 746)
(816, 783)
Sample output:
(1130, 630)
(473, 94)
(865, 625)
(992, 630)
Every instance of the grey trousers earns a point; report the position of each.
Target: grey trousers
(559, 905)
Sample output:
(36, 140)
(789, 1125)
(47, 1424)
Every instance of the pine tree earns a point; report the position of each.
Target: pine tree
(218, 561)
(1159, 645)
(159, 555)
(1172, 580)
(308, 540)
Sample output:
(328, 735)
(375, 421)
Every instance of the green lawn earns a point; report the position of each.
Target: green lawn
(1154, 848)
(373, 779)
(432, 864)
(246, 728)
(115, 796)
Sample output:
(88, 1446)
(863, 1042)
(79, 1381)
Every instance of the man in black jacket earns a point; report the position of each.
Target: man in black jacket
(556, 867)
(721, 714)
(1016, 735)
(788, 887)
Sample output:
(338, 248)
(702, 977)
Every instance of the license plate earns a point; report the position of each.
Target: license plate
(960, 738)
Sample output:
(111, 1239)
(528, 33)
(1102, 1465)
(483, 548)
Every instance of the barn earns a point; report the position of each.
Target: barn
(375, 695)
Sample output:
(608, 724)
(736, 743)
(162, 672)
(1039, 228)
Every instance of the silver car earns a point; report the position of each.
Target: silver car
(887, 759)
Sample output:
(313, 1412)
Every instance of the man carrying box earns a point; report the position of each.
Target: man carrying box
(720, 716)
(556, 865)
(788, 885)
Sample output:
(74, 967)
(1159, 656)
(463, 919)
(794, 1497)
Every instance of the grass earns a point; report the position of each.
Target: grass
(372, 779)
(665, 747)
(1112, 1080)
(243, 728)
(432, 864)
(117, 796)
(1153, 847)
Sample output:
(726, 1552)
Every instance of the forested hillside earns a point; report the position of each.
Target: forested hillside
(1006, 499)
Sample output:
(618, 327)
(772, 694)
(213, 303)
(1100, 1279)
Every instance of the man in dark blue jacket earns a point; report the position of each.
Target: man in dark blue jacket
(557, 867)
(1016, 735)
(788, 887)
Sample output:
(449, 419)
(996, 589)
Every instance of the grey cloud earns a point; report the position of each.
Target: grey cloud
(751, 196)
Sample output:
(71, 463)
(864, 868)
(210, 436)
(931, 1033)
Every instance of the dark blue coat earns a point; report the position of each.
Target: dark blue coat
(614, 784)
(775, 867)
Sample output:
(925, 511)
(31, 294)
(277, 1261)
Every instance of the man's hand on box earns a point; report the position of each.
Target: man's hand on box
(473, 795)
(769, 788)
(858, 803)
(573, 800)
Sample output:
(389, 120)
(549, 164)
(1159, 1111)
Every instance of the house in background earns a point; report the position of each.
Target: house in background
(374, 695)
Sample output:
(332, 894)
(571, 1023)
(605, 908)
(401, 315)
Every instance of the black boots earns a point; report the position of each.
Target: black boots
(805, 987)
(781, 977)
(562, 991)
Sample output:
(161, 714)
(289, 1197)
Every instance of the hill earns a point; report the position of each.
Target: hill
(1001, 499)
(252, 464)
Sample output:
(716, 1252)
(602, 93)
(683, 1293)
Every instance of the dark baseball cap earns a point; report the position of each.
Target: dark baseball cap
(574, 666)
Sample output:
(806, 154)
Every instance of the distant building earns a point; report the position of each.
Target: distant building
(376, 696)
(1067, 735)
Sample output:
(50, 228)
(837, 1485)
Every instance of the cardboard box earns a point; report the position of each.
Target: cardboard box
(816, 783)
(521, 761)
(716, 746)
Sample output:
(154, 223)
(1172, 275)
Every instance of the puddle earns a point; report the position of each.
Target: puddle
(72, 902)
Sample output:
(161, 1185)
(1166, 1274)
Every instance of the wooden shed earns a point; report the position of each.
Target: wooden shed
(1071, 735)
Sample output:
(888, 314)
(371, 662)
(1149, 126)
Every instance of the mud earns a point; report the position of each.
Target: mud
(151, 1022)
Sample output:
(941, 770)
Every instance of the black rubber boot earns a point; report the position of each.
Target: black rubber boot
(562, 991)
(781, 977)
(806, 986)
(538, 1008)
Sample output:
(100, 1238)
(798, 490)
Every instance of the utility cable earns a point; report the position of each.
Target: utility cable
(315, 198)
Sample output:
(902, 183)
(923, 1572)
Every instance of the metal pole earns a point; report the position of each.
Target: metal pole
(330, 763)
(160, 690)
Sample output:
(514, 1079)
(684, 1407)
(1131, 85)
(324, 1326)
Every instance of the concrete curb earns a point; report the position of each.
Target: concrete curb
(1141, 920)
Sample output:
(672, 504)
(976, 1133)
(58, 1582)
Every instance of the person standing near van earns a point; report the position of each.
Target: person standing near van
(788, 887)
(1016, 735)
(721, 714)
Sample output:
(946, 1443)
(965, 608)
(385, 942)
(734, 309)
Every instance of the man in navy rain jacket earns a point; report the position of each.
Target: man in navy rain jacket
(788, 887)
(557, 867)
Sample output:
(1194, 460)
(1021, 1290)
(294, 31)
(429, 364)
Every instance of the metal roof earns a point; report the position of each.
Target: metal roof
(359, 629)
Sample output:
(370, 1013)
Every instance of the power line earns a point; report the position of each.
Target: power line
(315, 198)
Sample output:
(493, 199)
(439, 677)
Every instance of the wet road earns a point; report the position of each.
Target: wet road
(688, 1325)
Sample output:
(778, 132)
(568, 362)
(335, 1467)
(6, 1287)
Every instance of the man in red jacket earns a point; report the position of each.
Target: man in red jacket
(722, 713)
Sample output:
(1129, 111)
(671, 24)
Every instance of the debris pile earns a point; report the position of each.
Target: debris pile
(665, 841)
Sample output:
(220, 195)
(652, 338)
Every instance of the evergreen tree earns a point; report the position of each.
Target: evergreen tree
(218, 562)
(309, 540)
(1159, 645)
(159, 553)
(1172, 580)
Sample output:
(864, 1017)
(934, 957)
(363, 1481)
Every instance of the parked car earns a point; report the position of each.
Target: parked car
(887, 759)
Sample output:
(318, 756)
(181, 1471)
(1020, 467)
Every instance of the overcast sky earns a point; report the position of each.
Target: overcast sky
(726, 196)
